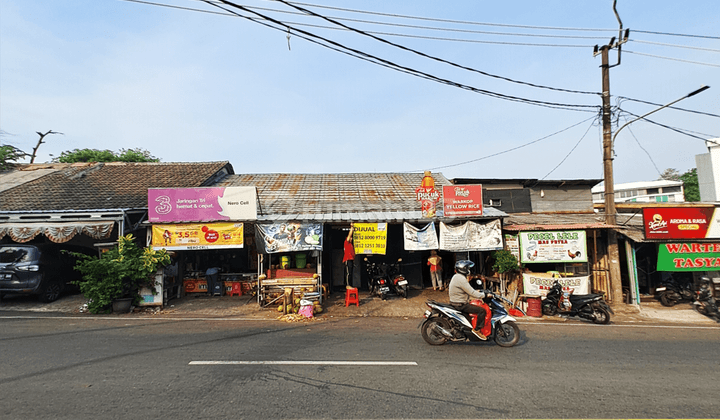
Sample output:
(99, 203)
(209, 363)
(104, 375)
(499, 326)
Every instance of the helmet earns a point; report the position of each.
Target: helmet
(464, 267)
(704, 280)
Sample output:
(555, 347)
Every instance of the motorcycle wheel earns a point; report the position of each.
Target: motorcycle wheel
(601, 315)
(403, 292)
(668, 299)
(507, 334)
(431, 335)
(549, 310)
(702, 309)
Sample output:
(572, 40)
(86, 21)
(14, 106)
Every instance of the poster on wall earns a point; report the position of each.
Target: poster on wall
(471, 236)
(540, 284)
(167, 205)
(462, 200)
(288, 237)
(184, 236)
(423, 239)
(681, 222)
(370, 238)
(562, 246)
(689, 257)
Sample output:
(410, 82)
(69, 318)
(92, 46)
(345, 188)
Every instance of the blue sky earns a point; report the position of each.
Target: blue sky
(194, 86)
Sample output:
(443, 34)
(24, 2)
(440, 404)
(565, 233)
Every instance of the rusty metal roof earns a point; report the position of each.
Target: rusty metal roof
(358, 197)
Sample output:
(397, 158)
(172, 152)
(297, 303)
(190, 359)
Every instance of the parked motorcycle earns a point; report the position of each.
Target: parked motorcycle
(704, 301)
(591, 306)
(397, 281)
(444, 323)
(673, 291)
(377, 282)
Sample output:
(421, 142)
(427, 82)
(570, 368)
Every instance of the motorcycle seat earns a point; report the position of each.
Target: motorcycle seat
(584, 298)
(445, 305)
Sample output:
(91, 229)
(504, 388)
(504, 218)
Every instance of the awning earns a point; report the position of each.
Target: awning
(58, 232)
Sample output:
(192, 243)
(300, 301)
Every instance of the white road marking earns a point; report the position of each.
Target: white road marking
(301, 362)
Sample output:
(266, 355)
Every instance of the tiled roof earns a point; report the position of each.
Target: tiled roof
(338, 197)
(97, 186)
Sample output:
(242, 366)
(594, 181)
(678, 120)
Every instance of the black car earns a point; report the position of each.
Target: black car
(43, 269)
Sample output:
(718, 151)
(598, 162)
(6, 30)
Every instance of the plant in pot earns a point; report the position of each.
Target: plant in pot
(118, 273)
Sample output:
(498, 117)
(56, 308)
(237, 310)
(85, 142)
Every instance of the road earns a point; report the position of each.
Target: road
(120, 368)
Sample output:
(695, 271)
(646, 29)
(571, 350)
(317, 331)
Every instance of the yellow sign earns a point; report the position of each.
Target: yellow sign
(197, 236)
(370, 238)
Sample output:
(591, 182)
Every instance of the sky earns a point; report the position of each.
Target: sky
(192, 82)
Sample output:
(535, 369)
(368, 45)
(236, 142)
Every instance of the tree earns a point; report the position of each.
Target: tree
(94, 155)
(670, 174)
(9, 155)
(691, 185)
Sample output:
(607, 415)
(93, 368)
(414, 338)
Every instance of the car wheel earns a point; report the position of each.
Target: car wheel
(51, 292)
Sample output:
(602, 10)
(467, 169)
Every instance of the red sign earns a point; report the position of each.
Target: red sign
(681, 222)
(462, 200)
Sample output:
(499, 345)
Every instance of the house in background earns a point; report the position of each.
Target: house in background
(661, 191)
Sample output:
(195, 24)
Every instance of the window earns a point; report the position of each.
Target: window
(672, 189)
(495, 202)
(653, 191)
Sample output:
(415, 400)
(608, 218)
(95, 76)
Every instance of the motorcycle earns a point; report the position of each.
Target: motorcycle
(591, 306)
(673, 291)
(705, 303)
(377, 283)
(443, 323)
(396, 280)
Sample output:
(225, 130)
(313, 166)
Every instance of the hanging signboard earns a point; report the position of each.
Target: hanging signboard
(553, 246)
(197, 236)
(168, 205)
(540, 284)
(370, 238)
(462, 200)
(420, 239)
(681, 222)
(471, 236)
(288, 237)
(689, 257)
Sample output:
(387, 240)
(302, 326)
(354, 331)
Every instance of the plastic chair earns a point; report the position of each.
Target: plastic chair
(351, 296)
(236, 289)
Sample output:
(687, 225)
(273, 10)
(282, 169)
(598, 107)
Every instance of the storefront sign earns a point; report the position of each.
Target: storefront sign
(427, 195)
(689, 257)
(462, 200)
(289, 237)
(167, 205)
(370, 238)
(540, 284)
(420, 239)
(197, 236)
(681, 222)
(471, 236)
(553, 246)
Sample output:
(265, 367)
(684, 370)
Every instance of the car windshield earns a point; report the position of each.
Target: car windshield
(15, 254)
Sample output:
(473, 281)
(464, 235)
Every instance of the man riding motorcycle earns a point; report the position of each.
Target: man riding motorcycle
(461, 293)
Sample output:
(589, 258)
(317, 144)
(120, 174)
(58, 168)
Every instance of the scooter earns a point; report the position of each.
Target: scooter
(591, 306)
(443, 323)
(704, 301)
(396, 280)
(377, 282)
(673, 291)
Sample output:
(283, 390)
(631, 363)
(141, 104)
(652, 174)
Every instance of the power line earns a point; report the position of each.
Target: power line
(677, 130)
(672, 34)
(643, 149)
(674, 45)
(570, 152)
(673, 59)
(670, 107)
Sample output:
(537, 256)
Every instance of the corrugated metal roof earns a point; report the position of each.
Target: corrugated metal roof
(369, 197)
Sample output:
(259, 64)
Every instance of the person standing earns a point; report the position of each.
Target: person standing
(349, 257)
(435, 263)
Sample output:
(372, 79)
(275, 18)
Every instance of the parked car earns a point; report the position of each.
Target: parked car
(41, 269)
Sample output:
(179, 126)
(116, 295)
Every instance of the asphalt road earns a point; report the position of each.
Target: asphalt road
(121, 368)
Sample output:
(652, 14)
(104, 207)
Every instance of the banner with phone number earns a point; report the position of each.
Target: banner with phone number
(197, 236)
(370, 238)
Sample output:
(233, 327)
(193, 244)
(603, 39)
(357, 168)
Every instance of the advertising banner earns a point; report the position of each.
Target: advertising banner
(168, 205)
(288, 237)
(471, 236)
(197, 236)
(689, 257)
(427, 195)
(370, 238)
(553, 246)
(540, 283)
(420, 239)
(462, 200)
(681, 222)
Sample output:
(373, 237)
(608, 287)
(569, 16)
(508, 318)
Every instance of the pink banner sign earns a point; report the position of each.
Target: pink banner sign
(462, 200)
(168, 205)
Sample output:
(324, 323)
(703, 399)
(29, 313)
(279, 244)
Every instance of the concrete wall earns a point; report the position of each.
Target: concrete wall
(708, 170)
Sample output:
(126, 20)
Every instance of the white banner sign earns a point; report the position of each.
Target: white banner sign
(471, 236)
(553, 246)
(420, 239)
(540, 283)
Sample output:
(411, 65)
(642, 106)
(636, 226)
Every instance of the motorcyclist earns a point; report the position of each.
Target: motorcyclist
(461, 292)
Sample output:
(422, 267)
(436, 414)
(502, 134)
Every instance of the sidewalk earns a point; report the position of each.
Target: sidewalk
(202, 306)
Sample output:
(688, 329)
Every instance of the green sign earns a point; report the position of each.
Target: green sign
(689, 257)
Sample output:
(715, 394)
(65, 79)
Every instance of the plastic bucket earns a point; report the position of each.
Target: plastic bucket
(285, 262)
(534, 307)
(300, 260)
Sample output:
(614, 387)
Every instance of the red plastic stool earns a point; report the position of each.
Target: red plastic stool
(236, 289)
(351, 296)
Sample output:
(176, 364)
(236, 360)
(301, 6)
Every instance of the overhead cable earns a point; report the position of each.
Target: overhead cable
(673, 59)
(570, 152)
(677, 130)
